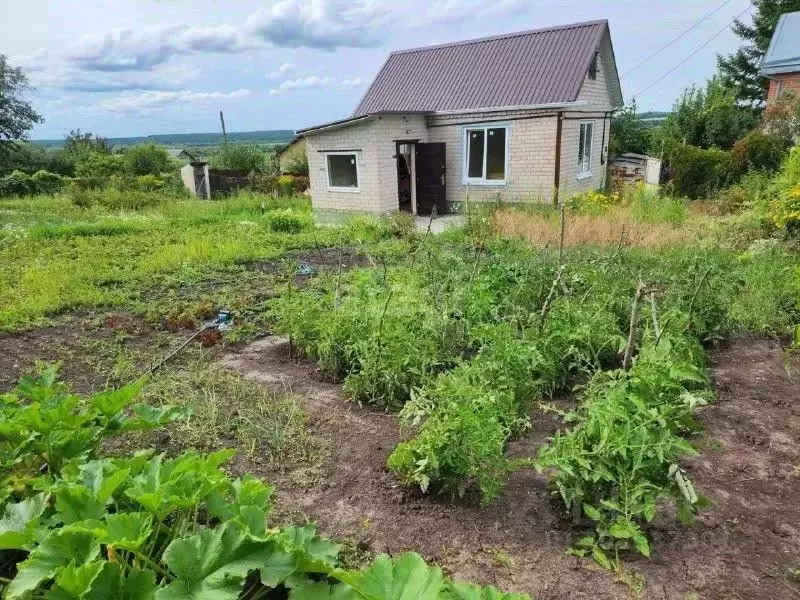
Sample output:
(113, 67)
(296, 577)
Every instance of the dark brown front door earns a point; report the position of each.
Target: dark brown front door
(431, 170)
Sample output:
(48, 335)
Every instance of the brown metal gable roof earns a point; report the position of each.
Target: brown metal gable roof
(543, 66)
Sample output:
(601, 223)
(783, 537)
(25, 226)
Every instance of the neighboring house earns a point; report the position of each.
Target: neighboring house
(522, 117)
(781, 63)
(291, 156)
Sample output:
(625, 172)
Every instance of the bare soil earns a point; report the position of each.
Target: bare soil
(85, 347)
(746, 546)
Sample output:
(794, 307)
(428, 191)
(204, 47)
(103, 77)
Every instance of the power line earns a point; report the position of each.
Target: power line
(680, 36)
(692, 54)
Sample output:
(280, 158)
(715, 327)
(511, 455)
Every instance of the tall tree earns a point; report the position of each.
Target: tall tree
(708, 117)
(17, 116)
(740, 69)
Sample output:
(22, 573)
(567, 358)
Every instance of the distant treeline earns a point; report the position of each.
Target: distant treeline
(274, 136)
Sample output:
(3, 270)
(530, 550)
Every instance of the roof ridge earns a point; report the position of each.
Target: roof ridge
(501, 36)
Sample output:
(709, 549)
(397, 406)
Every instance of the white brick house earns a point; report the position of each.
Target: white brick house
(523, 117)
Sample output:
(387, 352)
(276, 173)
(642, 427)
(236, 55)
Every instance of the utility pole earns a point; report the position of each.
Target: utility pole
(222, 120)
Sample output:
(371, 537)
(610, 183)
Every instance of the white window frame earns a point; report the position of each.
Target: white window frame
(349, 190)
(585, 174)
(466, 179)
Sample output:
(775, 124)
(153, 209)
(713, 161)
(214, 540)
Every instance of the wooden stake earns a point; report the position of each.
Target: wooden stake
(549, 299)
(337, 297)
(637, 298)
(656, 328)
(694, 296)
(561, 209)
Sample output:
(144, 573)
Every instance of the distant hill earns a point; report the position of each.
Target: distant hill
(653, 116)
(274, 136)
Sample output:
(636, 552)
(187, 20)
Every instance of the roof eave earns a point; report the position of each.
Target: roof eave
(334, 125)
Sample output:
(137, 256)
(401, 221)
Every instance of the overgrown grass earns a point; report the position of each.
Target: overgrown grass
(55, 256)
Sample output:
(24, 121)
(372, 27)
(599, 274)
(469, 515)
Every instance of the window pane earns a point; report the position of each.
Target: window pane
(342, 171)
(581, 144)
(475, 153)
(496, 154)
(587, 149)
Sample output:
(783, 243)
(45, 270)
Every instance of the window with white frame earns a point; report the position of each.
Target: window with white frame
(486, 155)
(585, 149)
(342, 171)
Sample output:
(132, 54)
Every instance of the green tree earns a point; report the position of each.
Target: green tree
(17, 116)
(740, 69)
(251, 158)
(80, 145)
(709, 117)
(146, 159)
(628, 133)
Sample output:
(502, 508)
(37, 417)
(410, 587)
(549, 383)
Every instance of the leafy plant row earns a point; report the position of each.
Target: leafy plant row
(78, 526)
(621, 454)
(388, 331)
(469, 414)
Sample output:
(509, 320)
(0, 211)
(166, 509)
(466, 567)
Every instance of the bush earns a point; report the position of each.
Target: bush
(16, 184)
(402, 224)
(759, 151)
(47, 183)
(696, 172)
(288, 221)
(95, 165)
(114, 198)
(149, 183)
(147, 159)
(297, 164)
(245, 157)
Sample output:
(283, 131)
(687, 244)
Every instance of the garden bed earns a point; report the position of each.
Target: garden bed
(518, 541)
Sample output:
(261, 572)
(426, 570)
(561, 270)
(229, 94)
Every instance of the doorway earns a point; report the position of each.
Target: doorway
(430, 175)
(406, 180)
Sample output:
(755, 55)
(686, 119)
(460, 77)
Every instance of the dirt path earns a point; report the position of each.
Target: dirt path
(517, 543)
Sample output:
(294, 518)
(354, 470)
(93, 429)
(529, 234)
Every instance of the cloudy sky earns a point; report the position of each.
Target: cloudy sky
(138, 67)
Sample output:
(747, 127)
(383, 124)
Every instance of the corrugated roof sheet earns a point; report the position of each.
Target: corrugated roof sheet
(544, 66)
(783, 55)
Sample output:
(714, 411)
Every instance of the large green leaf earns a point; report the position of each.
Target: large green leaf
(317, 554)
(150, 417)
(303, 588)
(103, 478)
(111, 402)
(113, 584)
(76, 503)
(20, 521)
(128, 531)
(225, 502)
(407, 578)
(74, 582)
(467, 591)
(59, 549)
(215, 563)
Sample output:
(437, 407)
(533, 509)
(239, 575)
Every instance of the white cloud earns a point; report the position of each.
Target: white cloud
(154, 100)
(132, 50)
(314, 82)
(281, 70)
(320, 24)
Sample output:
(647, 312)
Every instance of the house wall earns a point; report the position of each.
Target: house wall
(374, 142)
(598, 101)
(789, 82)
(531, 151)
